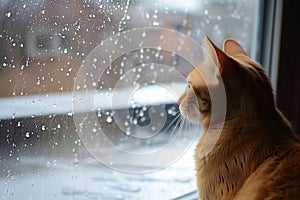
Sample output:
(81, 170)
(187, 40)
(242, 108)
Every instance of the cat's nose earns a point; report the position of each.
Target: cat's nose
(178, 102)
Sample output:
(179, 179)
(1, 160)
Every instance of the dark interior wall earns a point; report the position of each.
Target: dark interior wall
(288, 85)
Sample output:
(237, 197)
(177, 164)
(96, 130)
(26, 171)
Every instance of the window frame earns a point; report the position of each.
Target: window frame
(278, 50)
(268, 37)
(288, 82)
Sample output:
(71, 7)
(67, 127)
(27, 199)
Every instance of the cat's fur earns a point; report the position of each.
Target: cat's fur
(257, 155)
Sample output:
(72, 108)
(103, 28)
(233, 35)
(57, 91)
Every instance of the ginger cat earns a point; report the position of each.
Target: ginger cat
(257, 154)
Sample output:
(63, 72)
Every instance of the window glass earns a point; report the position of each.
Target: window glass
(89, 90)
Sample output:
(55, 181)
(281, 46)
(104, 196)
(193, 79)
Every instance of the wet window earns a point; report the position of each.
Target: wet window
(89, 89)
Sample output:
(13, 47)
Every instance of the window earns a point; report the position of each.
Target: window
(89, 89)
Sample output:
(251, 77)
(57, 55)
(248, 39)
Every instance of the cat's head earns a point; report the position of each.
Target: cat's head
(248, 92)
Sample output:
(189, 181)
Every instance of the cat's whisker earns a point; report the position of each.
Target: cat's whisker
(177, 112)
(172, 122)
(186, 125)
(175, 127)
(176, 130)
(179, 121)
(189, 124)
(183, 120)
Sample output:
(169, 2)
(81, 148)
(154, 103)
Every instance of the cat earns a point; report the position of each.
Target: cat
(257, 154)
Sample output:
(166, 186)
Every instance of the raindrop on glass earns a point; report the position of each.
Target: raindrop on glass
(153, 128)
(8, 14)
(109, 119)
(27, 134)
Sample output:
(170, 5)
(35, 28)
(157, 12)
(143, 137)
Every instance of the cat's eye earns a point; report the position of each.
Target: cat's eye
(189, 85)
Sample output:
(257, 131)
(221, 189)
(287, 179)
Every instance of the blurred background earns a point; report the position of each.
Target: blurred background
(42, 46)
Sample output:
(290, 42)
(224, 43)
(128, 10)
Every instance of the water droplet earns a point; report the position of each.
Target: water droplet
(147, 15)
(155, 23)
(8, 14)
(157, 54)
(126, 123)
(27, 135)
(135, 122)
(141, 114)
(109, 119)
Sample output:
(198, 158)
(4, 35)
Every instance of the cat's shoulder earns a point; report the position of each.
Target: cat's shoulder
(278, 177)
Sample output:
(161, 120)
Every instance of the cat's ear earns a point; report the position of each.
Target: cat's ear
(220, 59)
(232, 48)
